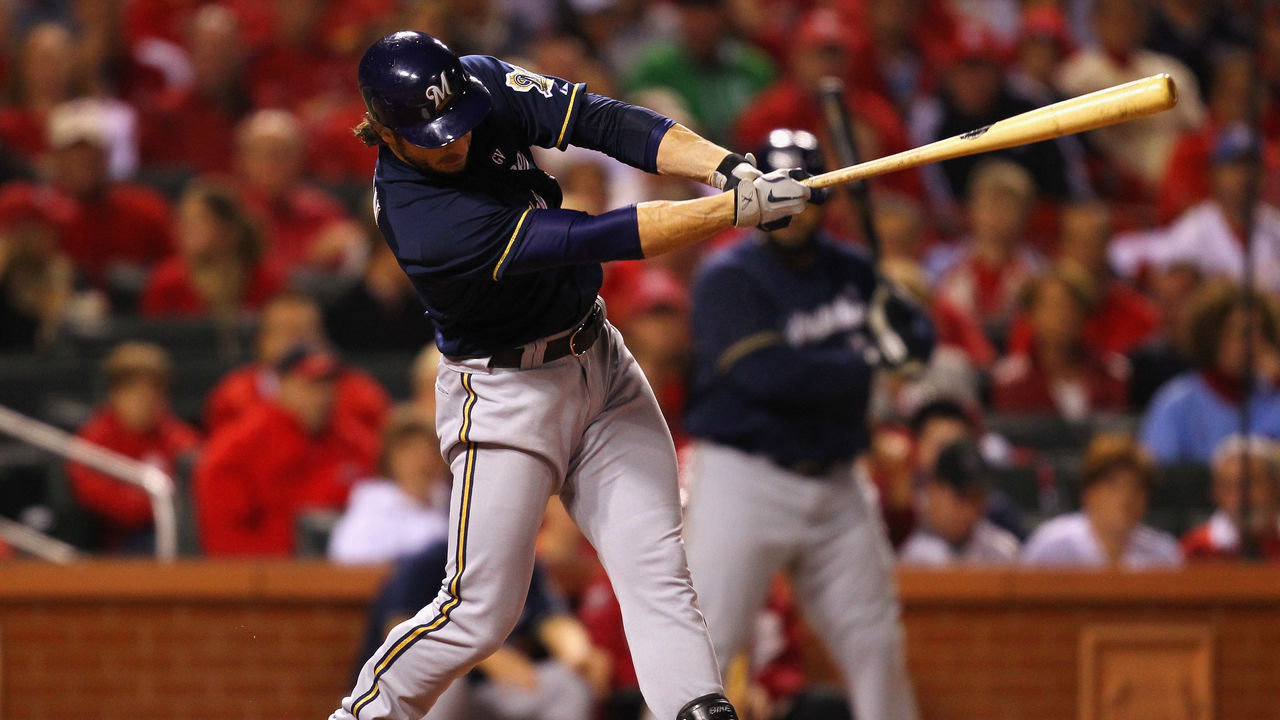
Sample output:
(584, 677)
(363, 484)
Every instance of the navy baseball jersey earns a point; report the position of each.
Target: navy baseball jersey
(494, 260)
(779, 353)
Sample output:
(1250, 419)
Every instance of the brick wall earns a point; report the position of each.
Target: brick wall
(276, 641)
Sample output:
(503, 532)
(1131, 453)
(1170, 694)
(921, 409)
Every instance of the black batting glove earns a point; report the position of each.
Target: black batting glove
(733, 169)
(901, 328)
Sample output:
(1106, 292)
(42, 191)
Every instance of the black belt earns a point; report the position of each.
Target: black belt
(574, 343)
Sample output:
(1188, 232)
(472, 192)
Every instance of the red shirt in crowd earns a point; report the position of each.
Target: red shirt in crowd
(261, 470)
(1021, 385)
(1123, 320)
(335, 154)
(22, 133)
(187, 130)
(126, 224)
(125, 508)
(294, 222)
(1218, 539)
(359, 397)
(169, 291)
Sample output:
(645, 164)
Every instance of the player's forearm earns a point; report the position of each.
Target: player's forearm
(666, 225)
(683, 153)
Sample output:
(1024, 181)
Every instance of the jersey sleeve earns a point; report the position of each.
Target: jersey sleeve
(544, 107)
(469, 235)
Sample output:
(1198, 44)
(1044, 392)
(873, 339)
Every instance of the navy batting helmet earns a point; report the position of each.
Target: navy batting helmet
(786, 149)
(412, 83)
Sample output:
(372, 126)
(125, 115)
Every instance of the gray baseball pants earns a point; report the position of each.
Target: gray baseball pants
(748, 519)
(588, 428)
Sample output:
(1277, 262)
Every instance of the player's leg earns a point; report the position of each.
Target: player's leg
(498, 499)
(623, 495)
(844, 581)
(454, 703)
(741, 527)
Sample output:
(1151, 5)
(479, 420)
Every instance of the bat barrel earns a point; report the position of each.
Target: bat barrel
(1108, 106)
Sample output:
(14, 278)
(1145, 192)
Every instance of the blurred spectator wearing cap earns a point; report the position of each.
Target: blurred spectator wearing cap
(715, 74)
(219, 269)
(975, 93)
(1060, 373)
(306, 228)
(1043, 43)
(191, 127)
(1211, 234)
(655, 323)
(406, 507)
(135, 421)
(1188, 174)
(821, 48)
(944, 421)
(984, 274)
(898, 46)
(1219, 538)
(287, 320)
(1138, 150)
(309, 47)
(284, 457)
(784, 357)
(1119, 317)
(953, 507)
(1193, 412)
(381, 312)
(1115, 481)
(43, 76)
(36, 277)
(117, 230)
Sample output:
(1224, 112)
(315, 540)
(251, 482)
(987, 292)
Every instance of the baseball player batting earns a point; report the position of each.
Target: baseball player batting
(789, 327)
(536, 394)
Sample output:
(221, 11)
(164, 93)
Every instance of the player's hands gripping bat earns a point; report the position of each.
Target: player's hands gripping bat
(1109, 106)
(768, 198)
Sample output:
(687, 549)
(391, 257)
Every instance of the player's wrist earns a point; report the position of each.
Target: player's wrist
(733, 169)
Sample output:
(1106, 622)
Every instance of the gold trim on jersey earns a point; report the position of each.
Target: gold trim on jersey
(567, 114)
(497, 268)
(745, 347)
(455, 584)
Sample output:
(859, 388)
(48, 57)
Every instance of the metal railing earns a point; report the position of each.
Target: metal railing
(151, 479)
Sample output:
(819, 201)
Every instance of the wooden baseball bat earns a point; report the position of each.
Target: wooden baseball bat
(1108, 106)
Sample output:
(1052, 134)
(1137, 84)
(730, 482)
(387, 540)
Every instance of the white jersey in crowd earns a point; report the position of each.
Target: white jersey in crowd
(1068, 541)
(1201, 237)
(988, 544)
(1143, 145)
(383, 522)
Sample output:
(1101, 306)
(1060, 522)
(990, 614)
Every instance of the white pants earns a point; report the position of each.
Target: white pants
(589, 429)
(748, 519)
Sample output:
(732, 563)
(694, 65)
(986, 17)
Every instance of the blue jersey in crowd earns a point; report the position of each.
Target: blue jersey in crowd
(491, 255)
(779, 363)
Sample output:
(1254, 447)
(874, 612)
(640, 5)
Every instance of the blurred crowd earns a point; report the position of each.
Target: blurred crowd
(178, 161)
